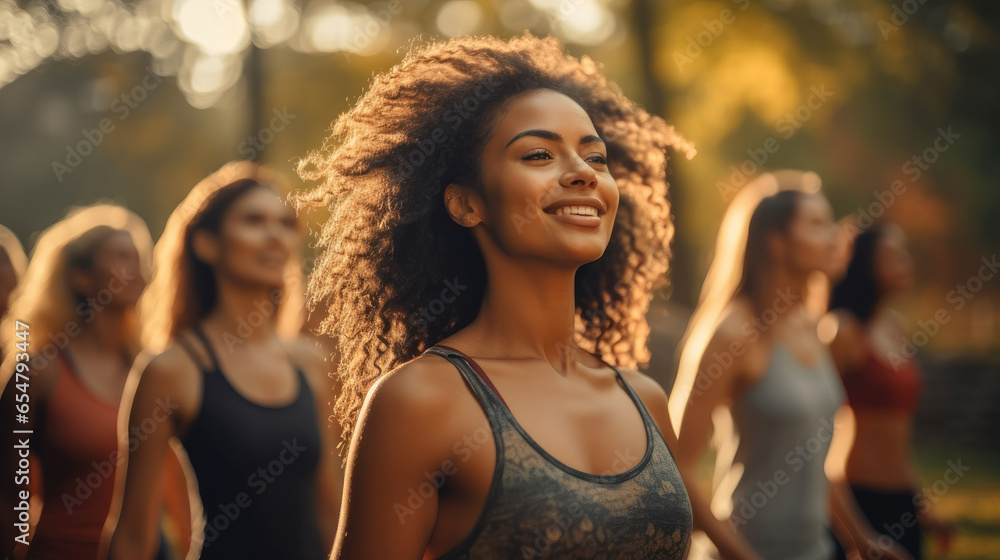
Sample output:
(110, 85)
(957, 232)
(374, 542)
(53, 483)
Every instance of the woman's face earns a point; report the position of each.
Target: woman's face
(893, 263)
(546, 185)
(116, 273)
(812, 236)
(842, 254)
(257, 236)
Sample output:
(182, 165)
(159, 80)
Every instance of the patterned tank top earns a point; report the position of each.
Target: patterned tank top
(538, 507)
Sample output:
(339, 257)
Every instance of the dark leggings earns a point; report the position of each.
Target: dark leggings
(892, 514)
(165, 551)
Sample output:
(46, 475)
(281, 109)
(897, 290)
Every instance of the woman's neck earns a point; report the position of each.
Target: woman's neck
(881, 316)
(246, 313)
(108, 333)
(781, 296)
(528, 311)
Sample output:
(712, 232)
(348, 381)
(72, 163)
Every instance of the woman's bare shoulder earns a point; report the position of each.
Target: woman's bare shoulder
(315, 363)
(427, 382)
(171, 374)
(653, 395)
(737, 318)
(422, 406)
(173, 366)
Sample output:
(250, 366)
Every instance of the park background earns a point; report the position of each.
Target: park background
(135, 101)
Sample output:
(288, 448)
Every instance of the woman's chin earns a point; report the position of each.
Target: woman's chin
(263, 282)
(580, 254)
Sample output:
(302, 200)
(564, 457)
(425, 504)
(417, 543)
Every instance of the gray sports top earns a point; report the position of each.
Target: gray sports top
(538, 507)
(782, 427)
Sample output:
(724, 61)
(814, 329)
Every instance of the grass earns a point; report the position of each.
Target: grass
(973, 502)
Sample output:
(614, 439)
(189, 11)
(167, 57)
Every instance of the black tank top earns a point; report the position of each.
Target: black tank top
(256, 471)
(538, 507)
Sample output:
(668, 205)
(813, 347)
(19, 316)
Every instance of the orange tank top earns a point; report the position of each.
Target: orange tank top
(78, 449)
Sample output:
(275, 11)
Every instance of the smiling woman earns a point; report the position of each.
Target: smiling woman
(250, 419)
(544, 198)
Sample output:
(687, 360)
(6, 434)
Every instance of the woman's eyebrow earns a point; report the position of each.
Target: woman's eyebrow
(549, 135)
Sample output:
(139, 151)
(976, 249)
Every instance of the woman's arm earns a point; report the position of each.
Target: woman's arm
(13, 487)
(329, 474)
(147, 418)
(329, 485)
(705, 395)
(177, 498)
(848, 345)
(25, 392)
(400, 434)
(850, 521)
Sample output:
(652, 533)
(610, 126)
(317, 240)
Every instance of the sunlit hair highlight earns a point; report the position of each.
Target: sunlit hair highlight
(15, 251)
(729, 273)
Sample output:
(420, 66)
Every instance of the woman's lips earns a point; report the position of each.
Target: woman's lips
(577, 219)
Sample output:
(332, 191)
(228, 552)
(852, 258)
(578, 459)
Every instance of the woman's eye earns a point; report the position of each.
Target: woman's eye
(537, 155)
(599, 159)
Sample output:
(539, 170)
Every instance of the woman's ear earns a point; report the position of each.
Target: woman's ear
(205, 246)
(460, 202)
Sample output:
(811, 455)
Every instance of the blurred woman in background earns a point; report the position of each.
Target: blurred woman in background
(13, 263)
(232, 380)
(752, 347)
(883, 386)
(78, 298)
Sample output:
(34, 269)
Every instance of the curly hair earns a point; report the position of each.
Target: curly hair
(388, 246)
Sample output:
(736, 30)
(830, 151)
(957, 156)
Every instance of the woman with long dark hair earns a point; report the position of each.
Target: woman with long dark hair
(244, 395)
(883, 386)
(753, 349)
(498, 207)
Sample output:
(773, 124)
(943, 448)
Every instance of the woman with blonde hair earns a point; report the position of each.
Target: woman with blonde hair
(752, 362)
(13, 263)
(70, 337)
(232, 381)
(498, 207)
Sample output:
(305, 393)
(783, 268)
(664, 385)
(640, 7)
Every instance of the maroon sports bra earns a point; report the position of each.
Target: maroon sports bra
(881, 384)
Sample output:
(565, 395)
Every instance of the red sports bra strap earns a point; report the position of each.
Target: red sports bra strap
(479, 371)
